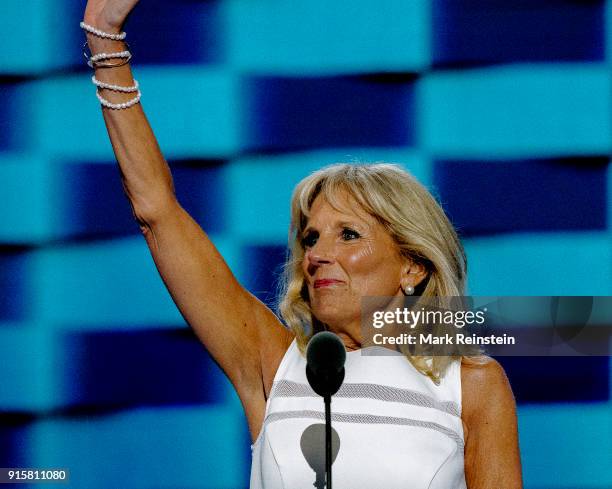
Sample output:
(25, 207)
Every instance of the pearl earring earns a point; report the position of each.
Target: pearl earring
(408, 290)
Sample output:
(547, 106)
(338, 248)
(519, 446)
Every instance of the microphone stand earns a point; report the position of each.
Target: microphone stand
(328, 442)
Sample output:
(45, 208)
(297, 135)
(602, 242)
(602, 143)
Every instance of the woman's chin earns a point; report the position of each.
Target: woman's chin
(332, 317)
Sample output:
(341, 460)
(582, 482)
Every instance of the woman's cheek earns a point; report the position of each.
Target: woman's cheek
(360, 257)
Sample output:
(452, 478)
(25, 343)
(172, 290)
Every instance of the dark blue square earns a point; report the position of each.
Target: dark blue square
(115, 369)
(200, 189)
(486, 197)
(94, 202)
(178, 32)
(501, 31)
(13, 449)
(294, 113)
(12, 283)
(14, 129)
(558, 379)
(265, 265)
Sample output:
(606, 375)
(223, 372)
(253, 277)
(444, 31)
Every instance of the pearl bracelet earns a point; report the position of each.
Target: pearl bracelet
(93, 60)
(115, 88)
(99, 56)
(124, 105)
(102, 34)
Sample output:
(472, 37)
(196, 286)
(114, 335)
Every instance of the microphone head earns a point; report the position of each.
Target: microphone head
(325, 357)
(325, 352)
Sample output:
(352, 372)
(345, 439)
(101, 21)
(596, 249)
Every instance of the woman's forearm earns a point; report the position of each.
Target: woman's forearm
(146, 177)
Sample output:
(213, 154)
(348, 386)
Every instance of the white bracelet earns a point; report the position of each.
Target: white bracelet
(102, 56)
(124, 105)
(99, 56)
(102, 34)
(116, 88)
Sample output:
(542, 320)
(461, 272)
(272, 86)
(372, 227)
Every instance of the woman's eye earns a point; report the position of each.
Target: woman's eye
(348, 234)
(309, 240)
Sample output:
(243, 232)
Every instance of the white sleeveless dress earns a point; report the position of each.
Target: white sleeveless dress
(396, 428)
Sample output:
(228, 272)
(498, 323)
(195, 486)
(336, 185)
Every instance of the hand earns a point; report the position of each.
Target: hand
(108, 15)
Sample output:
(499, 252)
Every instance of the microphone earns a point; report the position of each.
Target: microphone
(325, 357)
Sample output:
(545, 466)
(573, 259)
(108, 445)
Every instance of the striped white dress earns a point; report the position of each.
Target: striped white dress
(395, 428)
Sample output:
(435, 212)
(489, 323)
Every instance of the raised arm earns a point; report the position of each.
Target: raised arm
(242, 334)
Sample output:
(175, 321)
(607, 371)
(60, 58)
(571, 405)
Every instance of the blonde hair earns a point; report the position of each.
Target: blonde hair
(412, 217)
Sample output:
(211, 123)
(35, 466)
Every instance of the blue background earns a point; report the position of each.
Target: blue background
(502, 108)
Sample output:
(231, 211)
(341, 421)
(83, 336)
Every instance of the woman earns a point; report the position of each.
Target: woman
(432, 423)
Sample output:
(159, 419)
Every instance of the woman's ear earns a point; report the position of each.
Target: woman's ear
(413, 273)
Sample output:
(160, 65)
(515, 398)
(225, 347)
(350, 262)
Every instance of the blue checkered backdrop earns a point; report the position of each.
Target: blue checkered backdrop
(503, 108)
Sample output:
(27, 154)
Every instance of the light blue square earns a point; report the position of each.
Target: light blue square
(30, 199)
(577, 263)
(320, 37)
(566, 445)
(519, 110)
(100, 285)
(37, 36)
(193, 111)
(154, 447)
(29, 370)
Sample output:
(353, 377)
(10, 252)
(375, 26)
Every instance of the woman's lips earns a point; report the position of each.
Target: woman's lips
(326, 282)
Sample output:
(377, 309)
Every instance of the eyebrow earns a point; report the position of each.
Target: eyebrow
(339, 224)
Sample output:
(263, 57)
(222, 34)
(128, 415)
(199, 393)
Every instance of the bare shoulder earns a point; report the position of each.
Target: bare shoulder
(482, 371)
(484, 386)
(492, 456)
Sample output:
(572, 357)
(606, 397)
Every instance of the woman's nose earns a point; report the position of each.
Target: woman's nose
(322, 252)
